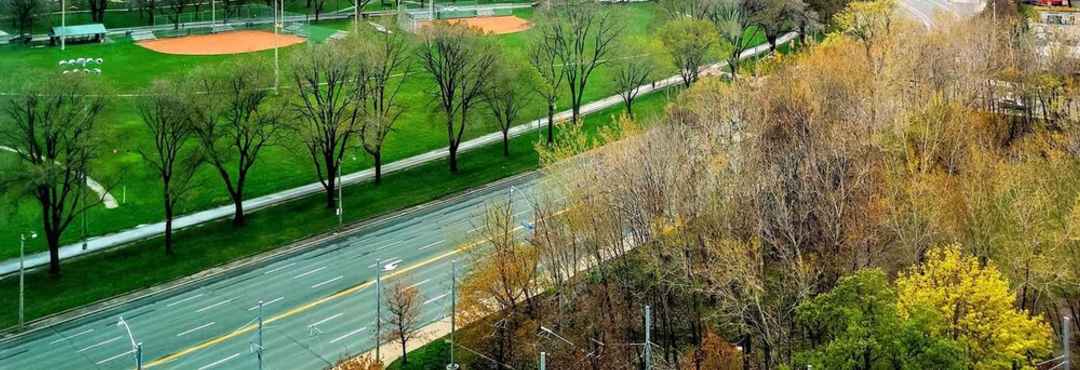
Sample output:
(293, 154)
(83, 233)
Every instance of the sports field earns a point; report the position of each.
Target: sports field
(129, 67)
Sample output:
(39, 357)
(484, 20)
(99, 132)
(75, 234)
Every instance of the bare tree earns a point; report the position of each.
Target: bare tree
(166, 114)
(403, 304)
(329, 112)
(505, 98)
(697, 9)
(544, 58)
(690, 43)
(385, 62)
(176, 10)
(584, 35)
(778, 17)
(22, 14)
(233, 123)
(634, 66)
(734, 20)
(53, 129)
(460, 62)
(97, 10)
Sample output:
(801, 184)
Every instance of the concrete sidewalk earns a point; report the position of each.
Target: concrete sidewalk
(154, 230)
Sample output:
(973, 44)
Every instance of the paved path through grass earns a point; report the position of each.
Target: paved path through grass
(251, 205)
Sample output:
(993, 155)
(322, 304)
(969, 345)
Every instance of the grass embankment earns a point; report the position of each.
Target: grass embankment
(129, 67)
(144, 264)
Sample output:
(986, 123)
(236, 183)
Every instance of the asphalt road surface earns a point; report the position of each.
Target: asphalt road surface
(927, 11)
(319, 305)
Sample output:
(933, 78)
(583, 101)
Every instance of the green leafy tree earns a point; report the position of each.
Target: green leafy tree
(978, 309)
(691, 42)
(857, 326)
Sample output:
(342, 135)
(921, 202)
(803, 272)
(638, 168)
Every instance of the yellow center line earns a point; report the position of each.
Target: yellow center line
(246, 329)
(212, 342)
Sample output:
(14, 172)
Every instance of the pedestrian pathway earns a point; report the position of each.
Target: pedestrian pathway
(149, 231)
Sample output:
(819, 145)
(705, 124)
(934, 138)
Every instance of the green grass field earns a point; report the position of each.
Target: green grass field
(128, 68)
(144, 264)
(123, 17)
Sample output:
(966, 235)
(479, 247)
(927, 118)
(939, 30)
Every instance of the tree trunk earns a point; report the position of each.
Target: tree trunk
(629, 107)
(453, 159)
(331, 189)
(551, 123)
(238, 216)
(506, 143)
(772, 42)
(53, 237)
(377, 156)
(168, 224)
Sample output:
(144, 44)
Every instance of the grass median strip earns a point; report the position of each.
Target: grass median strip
(145, 264)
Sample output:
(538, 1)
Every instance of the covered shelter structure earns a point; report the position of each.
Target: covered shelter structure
(94, 32)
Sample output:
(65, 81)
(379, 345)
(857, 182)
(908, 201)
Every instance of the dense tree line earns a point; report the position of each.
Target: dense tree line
(887, 198)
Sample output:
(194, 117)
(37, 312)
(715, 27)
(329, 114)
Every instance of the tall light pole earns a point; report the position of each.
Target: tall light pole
(378, 308)
(136, 347)
(259, 337)
(63, 24)
(22, 273)
(277, 24)
(648, 339)
(1066, 338)
(453, 315)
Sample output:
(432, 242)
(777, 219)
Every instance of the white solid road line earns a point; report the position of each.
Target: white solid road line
(388, 245)
(349, 334)
(279, 268)
(192, 330)
(420, 283)
(63, 338)
(431, 245)
(434, 299)
(327, 282)
(215, 305)
(323, 321)
(184, 300)
(221, 361)
(309, 272)
(255, 307)
(116, 357)
(98, 344)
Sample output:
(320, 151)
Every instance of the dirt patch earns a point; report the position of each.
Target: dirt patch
(495, 25)
(232, 42)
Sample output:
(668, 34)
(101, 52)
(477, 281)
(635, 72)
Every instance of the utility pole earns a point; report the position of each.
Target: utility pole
(1066, 338)
(543, 360)
(63, 25)
(259, 350)
(378, 308)
(22, 275)
(277, 15)
(648, 337)
(453, 313)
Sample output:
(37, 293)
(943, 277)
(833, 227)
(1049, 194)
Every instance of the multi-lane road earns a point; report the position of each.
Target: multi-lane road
(318, 304)
(927, 11)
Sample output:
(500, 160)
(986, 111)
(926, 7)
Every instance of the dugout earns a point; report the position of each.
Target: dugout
(94, 32)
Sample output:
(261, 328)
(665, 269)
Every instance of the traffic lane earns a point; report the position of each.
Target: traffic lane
(315, 338)
(190, 307)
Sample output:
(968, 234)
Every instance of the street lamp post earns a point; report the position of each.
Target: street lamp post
(136, 347)
(22, 273)
(63, 24)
